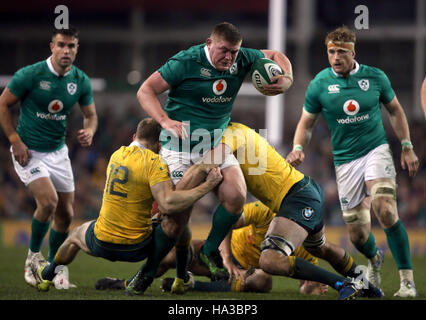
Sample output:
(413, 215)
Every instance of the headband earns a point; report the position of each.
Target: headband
(349, 46)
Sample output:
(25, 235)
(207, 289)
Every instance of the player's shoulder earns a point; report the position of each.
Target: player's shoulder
(321, 79)
(237, 125)
(191, 54)
(79, 74)
(370, 71)
(32, 69)
(322, 76)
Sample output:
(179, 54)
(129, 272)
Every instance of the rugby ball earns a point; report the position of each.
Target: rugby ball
(261, 73)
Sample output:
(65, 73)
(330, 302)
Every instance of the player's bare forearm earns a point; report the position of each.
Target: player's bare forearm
(398, 120)
(147, 96)
(192, 177)
(176, 201)
(7, 100)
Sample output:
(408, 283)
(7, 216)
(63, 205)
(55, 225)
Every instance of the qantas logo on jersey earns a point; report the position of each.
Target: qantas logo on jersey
(351, 108)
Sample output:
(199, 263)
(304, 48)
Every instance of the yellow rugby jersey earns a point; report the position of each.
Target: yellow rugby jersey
(125, 216)
(246, 241)
(268, 175)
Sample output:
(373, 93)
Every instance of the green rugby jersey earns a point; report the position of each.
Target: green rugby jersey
(351, 108)
(202, 95)
(46, 101)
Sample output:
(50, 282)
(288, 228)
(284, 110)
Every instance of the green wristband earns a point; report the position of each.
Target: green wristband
(406, 144)
(298, 147)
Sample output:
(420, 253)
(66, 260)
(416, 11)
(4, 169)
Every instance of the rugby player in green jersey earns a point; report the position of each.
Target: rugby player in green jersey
(47, 91)
(203, 82)
(348, 95)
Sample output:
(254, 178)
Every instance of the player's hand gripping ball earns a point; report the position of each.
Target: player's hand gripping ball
(261, 73)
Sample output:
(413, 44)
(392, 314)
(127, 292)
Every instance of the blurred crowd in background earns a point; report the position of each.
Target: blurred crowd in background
(89, 165)
(122, 43)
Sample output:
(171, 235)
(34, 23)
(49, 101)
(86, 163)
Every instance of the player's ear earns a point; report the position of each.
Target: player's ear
(52, 45)
(209, 41)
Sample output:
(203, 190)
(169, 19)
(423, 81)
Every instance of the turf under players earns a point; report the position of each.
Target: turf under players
(348, 95)
(47, 91)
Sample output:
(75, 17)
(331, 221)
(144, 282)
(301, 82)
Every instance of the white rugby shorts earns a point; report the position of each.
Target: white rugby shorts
(351, 176)
(55, 165)
(179, 162)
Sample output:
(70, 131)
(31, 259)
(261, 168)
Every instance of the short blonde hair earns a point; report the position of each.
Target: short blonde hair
(341, 34)
(149, 130)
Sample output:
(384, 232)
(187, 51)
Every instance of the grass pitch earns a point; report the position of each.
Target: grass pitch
(86, 270)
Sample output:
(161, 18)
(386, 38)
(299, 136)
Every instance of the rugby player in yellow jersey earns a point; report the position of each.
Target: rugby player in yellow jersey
(297, 201)
(136, 176)
(247, 235)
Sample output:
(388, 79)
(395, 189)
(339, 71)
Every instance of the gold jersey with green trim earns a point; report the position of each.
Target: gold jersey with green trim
(246, 241)
(268, 175)
(46, 102)
(351, 107)
(125, 216)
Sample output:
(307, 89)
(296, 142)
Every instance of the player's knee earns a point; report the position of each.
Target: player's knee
(275, 252)
(47, 205)
(233, 201)
(357, 216)
(383, 196)
(274, 262)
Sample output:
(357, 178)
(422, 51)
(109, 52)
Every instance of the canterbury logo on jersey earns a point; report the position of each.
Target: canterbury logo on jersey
(177, 174)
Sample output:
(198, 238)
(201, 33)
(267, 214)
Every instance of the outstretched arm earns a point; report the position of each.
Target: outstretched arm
(399, 124)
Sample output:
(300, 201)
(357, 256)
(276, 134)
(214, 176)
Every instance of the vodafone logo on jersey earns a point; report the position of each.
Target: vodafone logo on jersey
(351, 107)
(55, 106)
(219, 87)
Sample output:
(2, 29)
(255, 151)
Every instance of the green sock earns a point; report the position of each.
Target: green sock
(213, 286)
(222, 223)
(368, 249)
(182, 254)
(49, 271)
(38, 232)
(399, 245)
(162, 244)
(305, 270)
(346, 266)
(55, 240)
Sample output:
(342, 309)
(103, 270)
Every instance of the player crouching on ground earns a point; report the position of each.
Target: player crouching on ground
(136, 177)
